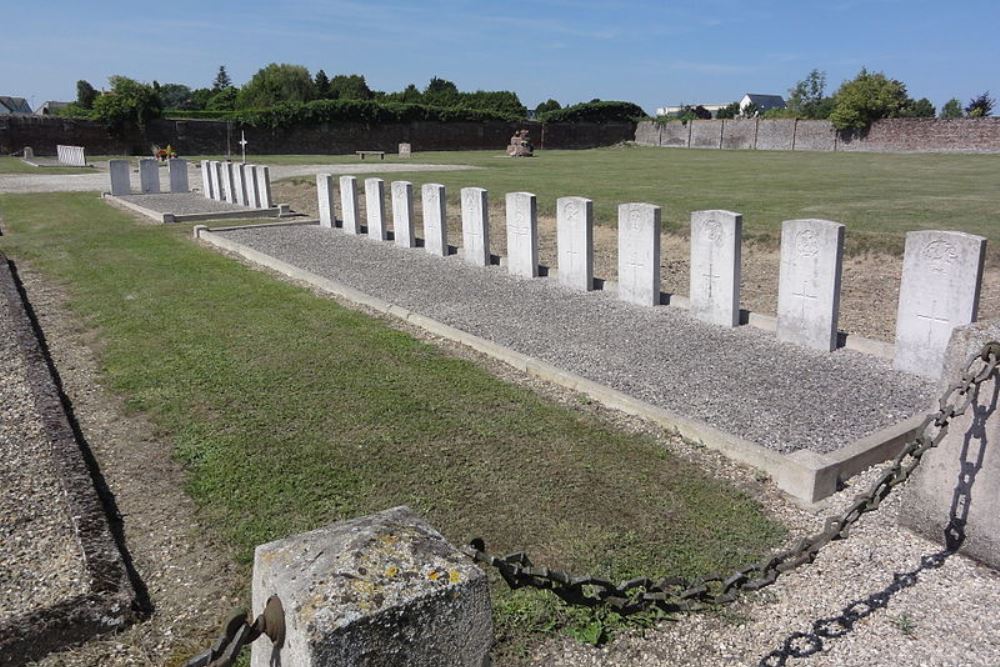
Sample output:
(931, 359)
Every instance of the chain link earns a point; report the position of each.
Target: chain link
(679, 594)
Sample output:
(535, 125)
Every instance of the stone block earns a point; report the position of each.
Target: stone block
(178, 175)
(253, 189)
(639, 254)
(405, 150)
(240, 183)
(206, 180)
(227, 182)
(215, 171)
(815, 135)
(775, 135)
(385, 589)
(716, 256)
(675, 134)
(706, 133)
(953, 496)
(375, 208)
(402, 214)
(812, 253)
(149, 176)
(349, 211)
(575, 242)
(476, 226)
(942, 277)
(118, 171)
(324, 194)
(522, 234)
(263, 173)
(434, 205)
(739, 134)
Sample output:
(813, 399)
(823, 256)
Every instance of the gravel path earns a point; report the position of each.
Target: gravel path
(41, 562)
(183, 203)
(799, 398)
(98, 181)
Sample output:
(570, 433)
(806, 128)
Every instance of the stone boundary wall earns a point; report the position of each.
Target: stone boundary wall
(213, 137)
(891, 135)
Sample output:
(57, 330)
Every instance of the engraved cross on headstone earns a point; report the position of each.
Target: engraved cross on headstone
(712, 277)
(932, 319)
(804, 296)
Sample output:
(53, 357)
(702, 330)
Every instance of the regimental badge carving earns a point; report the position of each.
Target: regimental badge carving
(470, 200)
(713, 231)
(635, 220)
(806, 243)
(939, 255)
(572, 211)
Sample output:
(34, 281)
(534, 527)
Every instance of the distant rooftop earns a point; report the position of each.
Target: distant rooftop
(13, 105)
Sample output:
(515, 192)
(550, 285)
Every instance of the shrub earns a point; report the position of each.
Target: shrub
(595, 112)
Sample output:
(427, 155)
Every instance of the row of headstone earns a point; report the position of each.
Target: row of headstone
(71, 155)
(149, 176)
(237, 183)
(942, 271)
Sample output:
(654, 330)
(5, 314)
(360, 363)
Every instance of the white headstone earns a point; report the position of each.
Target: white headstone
(522, 234)
(227, 182)
(215, 169)
(206, 180)
(29, 153)
(402, 214)
(120, 177)
(324, 193)
(716, 246)
(375, 208)
(476, 226)
(575, 242)
(349, 204)
(264, 186)
(942, 277)
(405, 150)
(639, 254)
(253, 190)
(149, 176)
(240, 183)
(433, 203)
(809, 283)
(71, 155)
(178, 175)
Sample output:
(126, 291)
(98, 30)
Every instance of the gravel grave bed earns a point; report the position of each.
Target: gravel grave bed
(183, 203)
(741, 380)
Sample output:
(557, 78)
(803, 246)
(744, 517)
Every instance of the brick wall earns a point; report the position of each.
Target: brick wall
(196, 137)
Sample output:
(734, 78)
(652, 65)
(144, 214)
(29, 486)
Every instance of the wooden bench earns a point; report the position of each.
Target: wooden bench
(362, 154)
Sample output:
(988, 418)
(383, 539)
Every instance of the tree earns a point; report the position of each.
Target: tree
(751, 110)
(224, 100)
(867, 98)
(175, 96)
(980, 107)
(922, 108)
(129, 103)
(85, 94)
(222, 80)
(322, 82)
(731, 110)
(274, 84)
(548, 105)
(349, 87)
(441, 93)
(200, 98)
(951, 109)
(806, 98)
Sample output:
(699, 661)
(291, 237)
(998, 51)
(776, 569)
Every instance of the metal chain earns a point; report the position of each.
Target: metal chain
(239, 632)
(679, 594)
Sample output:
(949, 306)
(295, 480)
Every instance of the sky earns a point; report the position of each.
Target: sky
(651, 53)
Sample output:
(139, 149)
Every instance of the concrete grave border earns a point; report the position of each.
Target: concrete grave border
(278, 211)
(109, 603)
(805, 475)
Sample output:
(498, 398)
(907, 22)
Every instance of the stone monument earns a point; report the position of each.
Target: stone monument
(520, 145)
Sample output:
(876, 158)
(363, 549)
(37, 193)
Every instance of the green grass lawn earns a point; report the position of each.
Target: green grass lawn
(15, 165)
(290, 411)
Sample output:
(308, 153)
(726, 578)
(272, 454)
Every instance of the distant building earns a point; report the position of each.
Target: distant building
(50, 108)
(763, 102)
(14, 106)
(674, 111)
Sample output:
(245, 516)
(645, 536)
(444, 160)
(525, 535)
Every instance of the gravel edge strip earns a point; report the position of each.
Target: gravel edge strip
(110, 603)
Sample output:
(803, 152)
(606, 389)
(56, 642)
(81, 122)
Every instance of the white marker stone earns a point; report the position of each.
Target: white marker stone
(402, 214)
(264, 186)
(215, 172)
(522, 234)
(639, 254)
(250, 180)
(240, 183)
(433, 202)
(809, 283)
(149, 176)
(716, 246)
(227, 182)
(575, 242)
(375, 208)
(942, 277)
(206, 180)
(324, 193)
(120, 177)
(178, 175)
(349, 204)
(476, 226)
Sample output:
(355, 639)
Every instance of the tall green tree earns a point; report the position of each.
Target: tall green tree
(951, 109)
(274, 84)
(731, 110)
(867, 98)
(349, 87)
(222, 79)
(322, 82)
(85, 94)
(441, 93)
(807, 99)
(922, 108)
(981, 106)
(128, 104)
(175, 96)
(548, 105)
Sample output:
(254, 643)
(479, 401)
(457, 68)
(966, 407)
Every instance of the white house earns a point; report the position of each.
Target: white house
(763, 102)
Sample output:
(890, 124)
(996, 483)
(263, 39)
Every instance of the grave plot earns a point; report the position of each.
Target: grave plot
(228, 190)
(807, 416)
(63, 579)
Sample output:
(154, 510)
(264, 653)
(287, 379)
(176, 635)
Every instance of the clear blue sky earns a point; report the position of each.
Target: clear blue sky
(652, 53)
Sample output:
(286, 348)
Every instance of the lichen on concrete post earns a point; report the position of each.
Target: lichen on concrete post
(384, 589)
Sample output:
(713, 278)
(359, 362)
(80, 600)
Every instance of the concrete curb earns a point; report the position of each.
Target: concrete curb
(167, 218)
(805, 475)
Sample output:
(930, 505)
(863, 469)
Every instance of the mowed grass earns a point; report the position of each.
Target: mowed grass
(15, 165)
(878, 197)
(290, 412)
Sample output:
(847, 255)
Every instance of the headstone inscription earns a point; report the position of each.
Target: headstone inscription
(716, 240)
(522, 234)
(639, 254)
(475, 226)
(575, 242)
(434, 207)
(812, 253)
